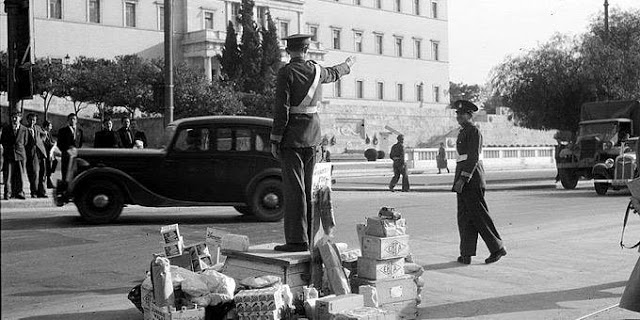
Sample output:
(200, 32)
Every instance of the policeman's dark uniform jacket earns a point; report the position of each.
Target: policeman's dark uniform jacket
(296, 129)
(473, 212)
(399, 167)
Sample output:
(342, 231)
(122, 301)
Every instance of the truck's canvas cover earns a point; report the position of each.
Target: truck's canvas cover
(613, 109)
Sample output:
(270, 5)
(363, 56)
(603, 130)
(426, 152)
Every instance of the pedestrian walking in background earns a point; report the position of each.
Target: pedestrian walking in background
(296, 135)
(49, 143)
(126, 133)
(441, 159)
(470, 186)
(69, 137)
(399, 166)
(13, 139)
(107, 138)
(36, 157)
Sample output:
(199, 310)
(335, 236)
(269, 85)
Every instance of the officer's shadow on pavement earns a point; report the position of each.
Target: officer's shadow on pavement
(549, 300)
(444, 265)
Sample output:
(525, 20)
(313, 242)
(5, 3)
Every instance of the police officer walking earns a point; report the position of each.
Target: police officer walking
(470, 185)
(296, 134)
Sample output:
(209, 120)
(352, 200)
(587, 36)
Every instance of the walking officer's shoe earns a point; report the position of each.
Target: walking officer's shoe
(496, 256)
(464, 259)
(292, 247)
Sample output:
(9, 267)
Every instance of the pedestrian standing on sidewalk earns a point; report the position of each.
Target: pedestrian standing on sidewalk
(441, 159)
(296, 134)
(69, 137)
(399, 166)
(13, 140)
(470, 186)
(126, 133)
(36, 157)
(51, 161)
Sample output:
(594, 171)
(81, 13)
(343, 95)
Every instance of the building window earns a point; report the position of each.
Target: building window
(313, 30)
(419, 92)
(337, 89)
(435, 50)
(398, 5)
(434, 9)
(357, 2)
(378, 40)
(398, 46)
(380, 90)
(400, 89)
(94, 11)
(55, 9)
(235, 15)
(130, 14)
(359, 89)
(336, 38)
(160, 18)
(262, 16)
(436, 93)
(416, 7)
(208, 20)
(378, 4)
(358, 41)
(284, 29)
(417, 47)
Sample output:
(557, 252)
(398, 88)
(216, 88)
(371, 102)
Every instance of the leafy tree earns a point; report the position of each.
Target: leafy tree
(230, 58)
(47, 81)
(463, 91)
(100, 82)
(271, 61)
(4, 68)
(74, 85)
(250, 50)
(133, 83)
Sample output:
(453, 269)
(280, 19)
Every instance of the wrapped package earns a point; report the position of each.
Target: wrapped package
(382, 227)
(260, 282)
(389, 213)
(211, 299)
(338, 282)
(162, 282)
(218, 282)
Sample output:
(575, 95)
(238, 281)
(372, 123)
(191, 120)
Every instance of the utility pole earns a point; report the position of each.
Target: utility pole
(606, 21)
(168, 62)
(20, 82)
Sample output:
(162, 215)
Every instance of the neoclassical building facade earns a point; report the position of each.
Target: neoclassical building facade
(398, 85)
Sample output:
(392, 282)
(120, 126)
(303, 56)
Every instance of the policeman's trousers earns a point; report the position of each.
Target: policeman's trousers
(474, 219)
(297, 172)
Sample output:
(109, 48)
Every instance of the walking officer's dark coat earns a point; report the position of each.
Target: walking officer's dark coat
(294, 126)
(469, 166)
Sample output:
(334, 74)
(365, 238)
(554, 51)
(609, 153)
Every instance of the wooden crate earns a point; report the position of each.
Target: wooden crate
(382, 248)
(292, 267)
(389, 290)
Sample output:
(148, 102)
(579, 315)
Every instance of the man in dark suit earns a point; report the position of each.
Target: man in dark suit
(470, 186)
(69, 137)
(126, 133)
(36, 157)
(13, 140)
(51, 161)
(296, 134)
(399, 166)
(107, 138)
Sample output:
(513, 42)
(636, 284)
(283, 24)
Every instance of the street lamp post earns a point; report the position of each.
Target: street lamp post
(168, 62)
(606, 21)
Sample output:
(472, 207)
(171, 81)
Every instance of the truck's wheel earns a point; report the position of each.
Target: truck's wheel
(601, 187)
(267, 200)
(99, 201)
(569, 179)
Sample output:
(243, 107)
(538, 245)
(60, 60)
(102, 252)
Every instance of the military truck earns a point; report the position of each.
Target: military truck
(603, 127)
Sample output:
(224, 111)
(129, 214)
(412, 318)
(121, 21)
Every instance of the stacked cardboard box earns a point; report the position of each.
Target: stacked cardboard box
(381, 273)
(266, 303)
(173, 244)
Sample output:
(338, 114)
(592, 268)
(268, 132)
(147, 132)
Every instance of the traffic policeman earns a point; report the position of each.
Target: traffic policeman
(296, 134)
(470, 186)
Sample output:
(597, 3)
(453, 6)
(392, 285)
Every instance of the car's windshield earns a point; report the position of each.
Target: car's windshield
(606, 131)
(168, 136)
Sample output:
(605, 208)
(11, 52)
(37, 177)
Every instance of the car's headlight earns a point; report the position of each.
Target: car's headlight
(609, 163)
(607, 145)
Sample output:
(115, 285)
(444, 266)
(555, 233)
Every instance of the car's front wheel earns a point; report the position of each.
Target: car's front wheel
(267, 200)
(99, 201)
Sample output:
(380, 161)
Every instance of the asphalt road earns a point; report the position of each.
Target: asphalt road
(564, 261)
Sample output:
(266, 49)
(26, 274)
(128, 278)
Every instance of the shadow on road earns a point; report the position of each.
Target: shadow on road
(129, 314)
(441, 266)
(585, 193)
(519, 303)
(47, 293)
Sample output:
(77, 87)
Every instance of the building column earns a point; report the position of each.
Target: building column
(207, 68)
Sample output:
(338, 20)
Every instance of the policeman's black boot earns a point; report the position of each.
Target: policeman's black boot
(496, 256)
(464, 259)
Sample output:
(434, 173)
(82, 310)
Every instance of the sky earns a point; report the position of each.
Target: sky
(483, 32)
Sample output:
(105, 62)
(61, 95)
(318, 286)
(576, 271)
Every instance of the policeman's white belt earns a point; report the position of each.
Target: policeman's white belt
(303, 110)
(463, 157)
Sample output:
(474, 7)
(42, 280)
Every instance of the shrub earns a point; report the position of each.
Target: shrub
(371, 154)
(380, 154)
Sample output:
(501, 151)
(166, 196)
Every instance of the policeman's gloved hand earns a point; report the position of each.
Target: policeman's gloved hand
(275, 149)
(351, 60)
(458, 185)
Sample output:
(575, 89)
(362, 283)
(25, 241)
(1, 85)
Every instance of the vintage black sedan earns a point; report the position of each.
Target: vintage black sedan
(206, 161)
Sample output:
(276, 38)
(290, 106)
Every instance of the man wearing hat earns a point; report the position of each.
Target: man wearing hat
(399, 166)
(296, 134)
(470, 185)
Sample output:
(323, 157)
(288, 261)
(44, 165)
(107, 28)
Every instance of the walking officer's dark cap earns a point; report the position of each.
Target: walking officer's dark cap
(464, 106)
(298, 41)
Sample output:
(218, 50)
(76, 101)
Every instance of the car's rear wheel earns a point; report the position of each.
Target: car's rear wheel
(601, 187)
(267, 200)
(569, 178)
(245, 210)
(99, 201)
